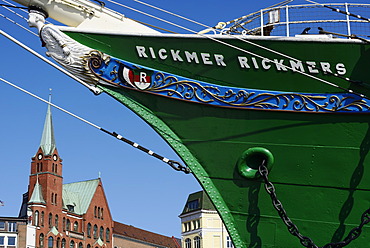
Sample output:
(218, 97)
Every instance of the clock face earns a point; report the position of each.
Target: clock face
(39, 156)
(55, 157)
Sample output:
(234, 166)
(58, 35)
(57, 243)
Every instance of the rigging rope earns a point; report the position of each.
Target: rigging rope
(340, 11)
(174, 164)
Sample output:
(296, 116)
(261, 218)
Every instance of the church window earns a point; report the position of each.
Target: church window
(187, 243)
(68, 225)
(197, 242)
(58, 243)
(50, 220)
(41, 240)
(64, 224)
(50, 242)
(36, 218)
(80, 245)
(41, 166)
(89, 246)
(56, 168)
(98, 212)
(52, 198)
(95, 209)
(63, 243)
(55, 199)
(75, 226)
(56, 221)
(101, 233)
(95, 232)
(107, 235)
(101, 213)
(89, 230)
(72, 244)
(42, 218)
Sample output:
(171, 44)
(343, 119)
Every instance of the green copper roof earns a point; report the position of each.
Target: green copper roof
(36, 196)
(77, 196)
(198, 201)
(47, 143)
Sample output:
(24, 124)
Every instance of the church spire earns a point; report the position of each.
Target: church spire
(47, 143)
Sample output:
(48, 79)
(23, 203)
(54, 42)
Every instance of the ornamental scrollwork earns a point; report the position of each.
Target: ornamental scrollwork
(119, 73)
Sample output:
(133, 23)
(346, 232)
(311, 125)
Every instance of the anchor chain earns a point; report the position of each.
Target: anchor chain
(293, 229)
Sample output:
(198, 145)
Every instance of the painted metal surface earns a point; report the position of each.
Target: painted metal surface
(120, 73)
(320, 160)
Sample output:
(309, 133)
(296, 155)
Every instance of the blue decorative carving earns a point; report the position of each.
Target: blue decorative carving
(120, 73)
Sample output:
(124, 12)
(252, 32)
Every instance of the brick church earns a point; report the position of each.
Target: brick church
(65, 215)
(73, 215)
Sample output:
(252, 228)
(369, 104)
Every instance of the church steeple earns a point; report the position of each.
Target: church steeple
(46, 180)
(47, 143)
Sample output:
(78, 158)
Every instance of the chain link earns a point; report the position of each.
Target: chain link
(293, 229)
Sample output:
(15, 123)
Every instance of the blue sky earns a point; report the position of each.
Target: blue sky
(141, 191)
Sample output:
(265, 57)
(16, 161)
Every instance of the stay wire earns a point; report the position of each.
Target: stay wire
(174, 164)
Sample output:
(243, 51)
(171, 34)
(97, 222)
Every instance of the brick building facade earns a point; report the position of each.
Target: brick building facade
(74, 215)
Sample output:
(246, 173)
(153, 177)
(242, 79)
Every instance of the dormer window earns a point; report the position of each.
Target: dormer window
(71, 208)
(192, 205)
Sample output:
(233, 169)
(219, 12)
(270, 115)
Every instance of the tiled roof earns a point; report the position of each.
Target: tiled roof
(146, 236)
(79, 195)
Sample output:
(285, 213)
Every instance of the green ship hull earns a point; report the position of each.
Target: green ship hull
(319, 169)
(228, 104)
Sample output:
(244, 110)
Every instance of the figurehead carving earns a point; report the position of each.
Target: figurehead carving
(63, 49)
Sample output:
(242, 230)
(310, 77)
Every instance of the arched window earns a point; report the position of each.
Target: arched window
(63, 243)
(56, 168)
(55, 199)
(58, 243)
(98, 212)
(50, 242)
(107, 235)
(101, 213)
(52, 198)
(89, 246)
(80, 245)
(197, 242)
(95, 232)
(187, 243)
(64, 224)
(101, 233)
(36, 218)
(50, 220)
(72, 244)
(41, 241)
(56, 221)
(42, 218)
(75, 226)
(95, 209)
(89, 230)
(68, 225)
